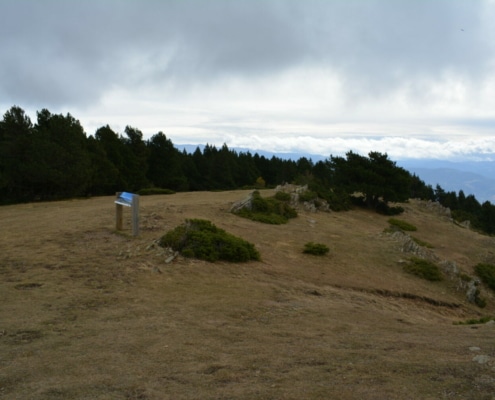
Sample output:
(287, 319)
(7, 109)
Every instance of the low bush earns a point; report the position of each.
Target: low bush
(475, 321)
(424, 269)
(282, 196)
(307, 195)
(316, 249)
(201, 239)
(422, 243)
(273, 219)
(486, 272)
(403, 225)
(462, 216)
(478, 300)
(337, 199)
(385, 209)
(465, 277)
(151, 191)
(268, 210)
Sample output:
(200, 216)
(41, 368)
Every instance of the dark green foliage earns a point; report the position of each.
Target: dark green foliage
(424, 269)
(376, 178)
(481, 216)
(151, 191)
(337, 199)
(308, 195)
(164, 163)
(116, 153)
(465, 277)
(486, 272)
(316, 249)
(52, 161)
(268, 210)
(461, 216)
(272, 219)
(136, 163)
(104, 175)
(385, 209)
(419, 190)
(201, 239)
(478, 300)
(422, 243)
(282, 196)
(403, 225)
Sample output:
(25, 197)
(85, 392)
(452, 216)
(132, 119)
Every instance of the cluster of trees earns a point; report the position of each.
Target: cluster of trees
(468, 208)
(55, 159)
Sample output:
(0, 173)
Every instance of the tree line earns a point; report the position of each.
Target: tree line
(53, 159)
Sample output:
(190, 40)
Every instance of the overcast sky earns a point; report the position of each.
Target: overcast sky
(410, 78)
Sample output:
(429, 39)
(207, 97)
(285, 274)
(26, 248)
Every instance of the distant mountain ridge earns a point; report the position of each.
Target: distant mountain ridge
(477, 178)
(472, 177)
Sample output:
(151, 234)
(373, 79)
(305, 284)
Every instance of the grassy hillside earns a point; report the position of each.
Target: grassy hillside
(90, 313)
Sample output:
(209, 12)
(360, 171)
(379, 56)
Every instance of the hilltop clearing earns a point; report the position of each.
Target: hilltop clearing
(91, 313)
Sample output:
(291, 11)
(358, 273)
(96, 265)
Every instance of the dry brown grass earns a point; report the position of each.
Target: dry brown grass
(89, 313)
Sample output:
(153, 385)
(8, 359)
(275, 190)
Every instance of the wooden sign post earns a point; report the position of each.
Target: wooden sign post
(125, 199)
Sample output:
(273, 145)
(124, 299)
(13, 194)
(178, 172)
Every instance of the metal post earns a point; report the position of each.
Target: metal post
(127, 200)
(119, 214)
(135, 215)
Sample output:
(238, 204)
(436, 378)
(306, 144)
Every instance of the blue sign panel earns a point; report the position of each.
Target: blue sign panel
(125, 199)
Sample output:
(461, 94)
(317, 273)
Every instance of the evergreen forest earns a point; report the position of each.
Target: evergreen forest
(55, 159)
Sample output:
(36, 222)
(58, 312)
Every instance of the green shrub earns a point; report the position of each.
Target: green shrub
(201, 239)
(465, 277)
(268, 210)
(424, 269)
(266, 218)
(307, 195)
(478, 300)
(282, 196)
(337, 199)
(462, 215)
(486, 272)
(316, 249)
(151, 191)
(422, 243)
(474, 321)
(403, 225)
(385, 209)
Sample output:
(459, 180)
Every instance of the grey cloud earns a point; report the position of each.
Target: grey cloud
(60, 52)
(380, 44)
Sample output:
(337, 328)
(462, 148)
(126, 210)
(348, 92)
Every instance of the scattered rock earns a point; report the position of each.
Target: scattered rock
(472, 291)
(481, 359)
(171, 258)
(295, 191)
(239, 205)
(436, 208)
(450, 268)
(410, 246)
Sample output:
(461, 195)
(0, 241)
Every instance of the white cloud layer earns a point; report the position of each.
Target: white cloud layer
(410, 78)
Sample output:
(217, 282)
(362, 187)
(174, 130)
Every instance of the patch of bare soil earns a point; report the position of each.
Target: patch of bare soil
(91, 313)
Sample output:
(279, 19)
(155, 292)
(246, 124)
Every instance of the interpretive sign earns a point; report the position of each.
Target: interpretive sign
(125, 199)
